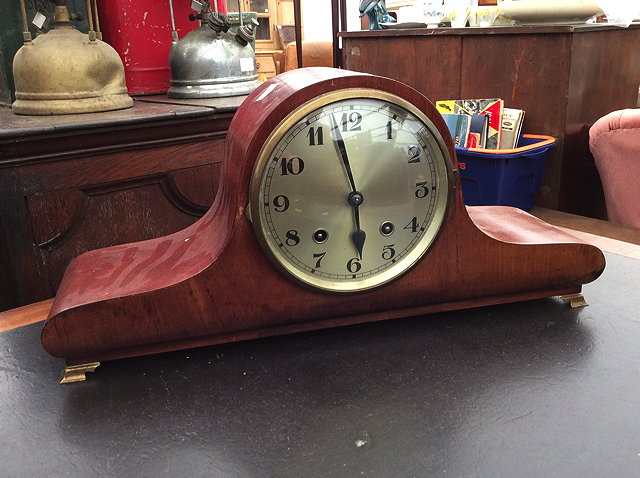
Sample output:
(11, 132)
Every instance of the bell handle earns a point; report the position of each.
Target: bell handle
(26, 34)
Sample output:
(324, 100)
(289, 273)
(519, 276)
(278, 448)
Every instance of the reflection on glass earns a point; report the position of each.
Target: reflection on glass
(260, 6)
(264, 29)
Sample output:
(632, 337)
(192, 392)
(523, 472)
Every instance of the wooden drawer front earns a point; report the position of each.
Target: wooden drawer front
(266, 65)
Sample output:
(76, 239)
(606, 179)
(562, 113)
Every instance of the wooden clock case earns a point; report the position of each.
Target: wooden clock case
(212, 283)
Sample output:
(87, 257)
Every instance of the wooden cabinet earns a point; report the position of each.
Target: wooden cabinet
(565, 77)
(69, 184)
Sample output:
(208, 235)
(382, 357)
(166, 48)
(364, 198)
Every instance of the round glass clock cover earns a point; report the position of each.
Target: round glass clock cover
(350, 190)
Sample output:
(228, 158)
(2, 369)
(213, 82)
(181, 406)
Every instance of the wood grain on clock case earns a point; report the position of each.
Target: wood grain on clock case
(211, 282)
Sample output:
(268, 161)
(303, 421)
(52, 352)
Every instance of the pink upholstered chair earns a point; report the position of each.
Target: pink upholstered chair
(615, 143)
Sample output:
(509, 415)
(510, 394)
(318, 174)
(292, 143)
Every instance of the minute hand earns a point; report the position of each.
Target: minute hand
(337, 136)
(355, 199)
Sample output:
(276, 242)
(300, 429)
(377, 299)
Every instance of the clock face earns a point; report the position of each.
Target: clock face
(350, 190)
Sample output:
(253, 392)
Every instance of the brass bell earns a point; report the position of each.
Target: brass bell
(65, 71)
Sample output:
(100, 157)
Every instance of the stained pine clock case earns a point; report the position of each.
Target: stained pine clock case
(339, 203)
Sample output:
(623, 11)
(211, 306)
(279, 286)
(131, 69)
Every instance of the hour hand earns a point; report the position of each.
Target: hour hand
(358, 236)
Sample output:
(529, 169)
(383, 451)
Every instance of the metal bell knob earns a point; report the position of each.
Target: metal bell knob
(218, 23)
(227, 23)
(246, 33)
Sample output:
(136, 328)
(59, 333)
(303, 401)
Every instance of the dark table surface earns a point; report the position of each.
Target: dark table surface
(533, 389)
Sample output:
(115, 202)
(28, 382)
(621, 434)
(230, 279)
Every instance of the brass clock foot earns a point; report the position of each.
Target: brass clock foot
(574, 300)
(77, 373)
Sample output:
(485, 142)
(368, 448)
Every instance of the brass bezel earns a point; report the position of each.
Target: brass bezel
(443, 202)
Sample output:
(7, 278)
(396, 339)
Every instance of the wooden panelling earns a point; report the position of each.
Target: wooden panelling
(53, 213)
(70, 185)
(428, 64)
(198, 185)
(134, 210)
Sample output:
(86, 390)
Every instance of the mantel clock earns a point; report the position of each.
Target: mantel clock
(340, 203)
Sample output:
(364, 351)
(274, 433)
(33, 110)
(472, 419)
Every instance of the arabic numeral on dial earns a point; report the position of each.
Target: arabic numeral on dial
(293, 166)
(319, 258)
(388, 252)
(414, 154)
(281, 203)
(413, 225)
(422, 190)
(354, 118)
(354, 265)
(389, 130)
(316, 136)
(292, 238)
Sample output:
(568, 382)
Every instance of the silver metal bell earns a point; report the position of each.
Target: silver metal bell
(211, 62)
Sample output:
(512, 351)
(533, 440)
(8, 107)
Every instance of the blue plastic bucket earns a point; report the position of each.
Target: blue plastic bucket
(504, 177)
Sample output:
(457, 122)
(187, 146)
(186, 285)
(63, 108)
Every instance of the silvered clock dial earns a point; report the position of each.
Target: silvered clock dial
(350, 190)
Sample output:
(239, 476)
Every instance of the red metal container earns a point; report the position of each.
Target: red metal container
(140, 31)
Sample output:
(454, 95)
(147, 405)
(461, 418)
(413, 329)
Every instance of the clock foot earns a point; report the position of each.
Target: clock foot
(77, 373)
(574, 300)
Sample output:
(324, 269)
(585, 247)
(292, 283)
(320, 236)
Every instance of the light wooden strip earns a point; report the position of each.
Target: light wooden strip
(25, 315)
(606, 244)
(609, 237)
(595, 227)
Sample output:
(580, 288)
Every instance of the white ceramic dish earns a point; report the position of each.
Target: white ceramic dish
(549, 11)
